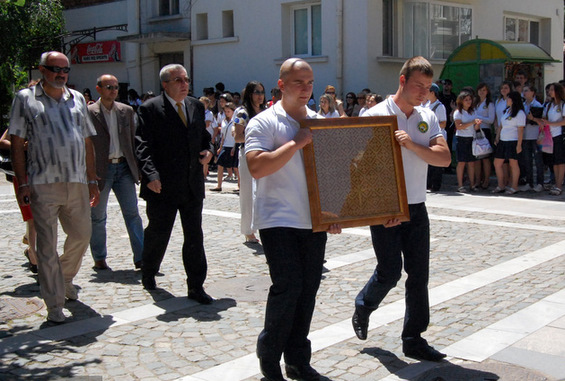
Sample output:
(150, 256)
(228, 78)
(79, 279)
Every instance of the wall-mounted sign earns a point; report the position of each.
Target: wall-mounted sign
(96, 51)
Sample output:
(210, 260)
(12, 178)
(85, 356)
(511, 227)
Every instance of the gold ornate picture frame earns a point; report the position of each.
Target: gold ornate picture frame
(354, 172)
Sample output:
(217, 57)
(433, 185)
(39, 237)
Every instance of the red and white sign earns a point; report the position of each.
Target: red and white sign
(96, 51)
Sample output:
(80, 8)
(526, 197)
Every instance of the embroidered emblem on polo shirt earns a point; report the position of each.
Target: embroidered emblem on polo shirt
(423, 127)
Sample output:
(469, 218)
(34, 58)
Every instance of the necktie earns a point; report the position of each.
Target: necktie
(181, 114)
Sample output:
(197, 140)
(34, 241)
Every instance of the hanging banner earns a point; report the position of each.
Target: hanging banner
(96, 51)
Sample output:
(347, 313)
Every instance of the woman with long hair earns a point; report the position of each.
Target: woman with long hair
(484, 109)
(509, 142)
(554, 116)
(350, 103)
(338, 103)
(465, 122)
(327, 107)
(253, 103)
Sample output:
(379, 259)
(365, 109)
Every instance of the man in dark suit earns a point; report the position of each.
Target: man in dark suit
(172, 145)
(116, 166)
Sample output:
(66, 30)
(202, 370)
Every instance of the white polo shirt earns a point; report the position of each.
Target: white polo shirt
(422, 126)
(509, 131)
(281, 199)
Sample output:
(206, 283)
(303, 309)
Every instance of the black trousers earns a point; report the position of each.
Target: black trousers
(295, 258)
(161, 213)
(409, 241)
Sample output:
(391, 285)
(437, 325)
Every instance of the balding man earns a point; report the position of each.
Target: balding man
(172, 145)
(294, 253)
(116, 167)
(61, 173)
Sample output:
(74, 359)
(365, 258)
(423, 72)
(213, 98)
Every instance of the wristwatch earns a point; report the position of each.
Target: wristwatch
(92, 182)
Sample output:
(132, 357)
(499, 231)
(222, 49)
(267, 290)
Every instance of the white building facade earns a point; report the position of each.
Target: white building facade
(350, 44)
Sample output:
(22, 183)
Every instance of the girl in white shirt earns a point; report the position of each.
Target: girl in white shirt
(554, 116)
(465, 122)
(486, 113)
(509, 142)
(327, 107)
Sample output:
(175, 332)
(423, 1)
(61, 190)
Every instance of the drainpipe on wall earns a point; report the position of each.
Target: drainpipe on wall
(139, 65)
(339, 52)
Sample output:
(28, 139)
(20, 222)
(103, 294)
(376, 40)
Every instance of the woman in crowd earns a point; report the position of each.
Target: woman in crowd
(208, 118)
(486, 113)
(351, 103)
(465, 122)
(253, 103)
(227, 153)
(499, 108)
(554, 114)
(327, 107)
(509, 142)
(337, 102)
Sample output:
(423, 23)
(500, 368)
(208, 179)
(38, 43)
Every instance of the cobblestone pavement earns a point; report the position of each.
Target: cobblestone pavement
(496, 289)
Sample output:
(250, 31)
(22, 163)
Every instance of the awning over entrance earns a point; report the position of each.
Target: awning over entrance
(492, 62)
(480, 50)
(156, 37)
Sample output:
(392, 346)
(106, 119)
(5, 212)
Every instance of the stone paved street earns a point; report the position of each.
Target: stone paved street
(497, 291)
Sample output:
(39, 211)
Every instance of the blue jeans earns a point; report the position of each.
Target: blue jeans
(295, 258)
(411, 241)
(530, 154)
(119, 179)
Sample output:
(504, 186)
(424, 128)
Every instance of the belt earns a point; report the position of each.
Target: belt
(117, 161)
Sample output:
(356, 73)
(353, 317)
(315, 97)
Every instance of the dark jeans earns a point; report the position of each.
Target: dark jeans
(526, 159)
(295, 258)
(161, 214)
(410, 240)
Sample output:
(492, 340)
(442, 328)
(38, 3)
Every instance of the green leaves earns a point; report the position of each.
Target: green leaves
(28, 28)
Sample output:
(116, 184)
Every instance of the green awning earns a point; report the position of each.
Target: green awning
(480, 50)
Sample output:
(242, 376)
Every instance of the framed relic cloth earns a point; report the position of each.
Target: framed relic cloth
(354, 172)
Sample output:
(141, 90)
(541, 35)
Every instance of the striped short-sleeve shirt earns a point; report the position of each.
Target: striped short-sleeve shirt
(55, 131)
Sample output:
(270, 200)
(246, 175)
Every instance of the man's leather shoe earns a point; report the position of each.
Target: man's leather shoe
(423, 352)
(101, 265)
(302, 372)
(271, 370)
(200, 296)
(360, 321)
(148, 282)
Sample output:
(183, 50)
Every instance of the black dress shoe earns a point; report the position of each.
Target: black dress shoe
(137, 265)
(200, 296)
(271, 370)
(423, 352)
(148, 282)
(360, 321)
(101, 265)
(302, 372)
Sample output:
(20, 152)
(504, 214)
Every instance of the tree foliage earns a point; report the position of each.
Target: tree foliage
(27, 29)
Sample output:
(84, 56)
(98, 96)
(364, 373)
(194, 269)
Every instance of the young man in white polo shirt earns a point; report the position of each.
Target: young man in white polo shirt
(295, 255)
(422, 143)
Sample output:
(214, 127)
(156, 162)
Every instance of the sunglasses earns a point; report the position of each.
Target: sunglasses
(330, 92)
(57, 69)
(258, 92)
(180, 80)
(110, 87)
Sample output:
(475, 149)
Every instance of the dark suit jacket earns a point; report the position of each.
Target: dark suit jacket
(126, 132)
(169, 151)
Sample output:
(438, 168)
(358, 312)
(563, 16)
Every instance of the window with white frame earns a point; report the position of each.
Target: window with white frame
(521, 29)
(435, 30)
(306, 30)
(168, 7)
